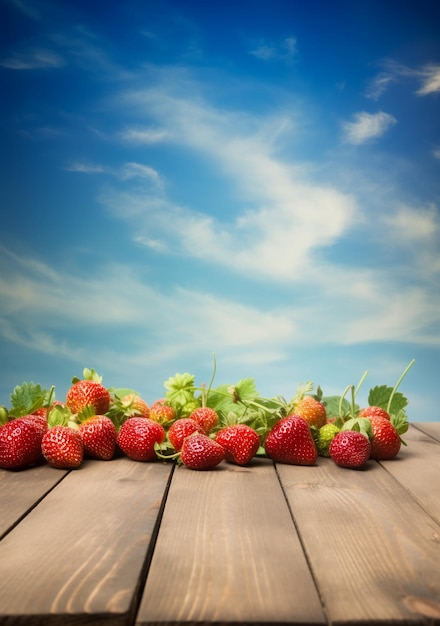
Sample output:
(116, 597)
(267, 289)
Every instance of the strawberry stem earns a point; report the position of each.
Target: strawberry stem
(404, 373)
(341, 399)
(360, 382)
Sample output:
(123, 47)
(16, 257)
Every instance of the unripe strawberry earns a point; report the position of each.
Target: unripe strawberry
(312, 411)
(206, 417)
(162, 412)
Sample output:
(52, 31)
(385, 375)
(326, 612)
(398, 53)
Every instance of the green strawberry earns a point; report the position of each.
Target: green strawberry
(324, 437)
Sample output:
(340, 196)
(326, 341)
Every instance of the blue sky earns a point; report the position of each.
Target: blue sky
(259, 181)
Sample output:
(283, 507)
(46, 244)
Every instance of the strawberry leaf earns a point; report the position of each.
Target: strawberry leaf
(380, 395)
(26, 398)
(180, 389)
(331, 404)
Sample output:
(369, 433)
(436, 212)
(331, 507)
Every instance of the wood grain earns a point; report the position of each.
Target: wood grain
(21, 490)
(430, 428)
(420, 479)
(374, 552)
(79, 555)
(228, 553)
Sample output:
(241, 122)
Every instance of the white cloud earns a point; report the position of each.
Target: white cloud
(291, 216)
(367, 126)
(428, 77)
(436, 153)
(415, 224)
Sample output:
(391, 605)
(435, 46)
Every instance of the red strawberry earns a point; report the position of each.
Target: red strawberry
(350, 448)
(199, 452)
(386, 441)
(205, 417)
(162, 412)
(374, 411)
(240, 442)
(20, 442)
(62, 447)
(180, 430)
(290, 441)
(312, 411)
(134, 405)
(137, 437)
(88, 393)
(38, 421)
(98, 434)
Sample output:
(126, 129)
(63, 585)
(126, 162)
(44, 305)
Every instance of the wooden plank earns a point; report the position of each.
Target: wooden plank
(21, 490)
(78, 557)
(430, 428)
(374, 552)
(228, 553)
(417, 468)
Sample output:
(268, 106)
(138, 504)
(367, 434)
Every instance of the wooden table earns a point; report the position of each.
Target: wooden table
(122, 542)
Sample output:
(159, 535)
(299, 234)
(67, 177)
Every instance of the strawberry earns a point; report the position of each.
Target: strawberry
(137, 437)
(88, 393)
(134, 405)
(386, 440)
(374, 411)
(324, 437)
(20, 442)
(162, 412)
(62, 447)
(98, 434)
(350, 448)
(180, 430)
(240, 443)
(199, 452)
(312, 411)
(205, 417)
(290, 441)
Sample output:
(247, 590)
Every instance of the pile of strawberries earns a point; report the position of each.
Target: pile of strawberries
(197, 427)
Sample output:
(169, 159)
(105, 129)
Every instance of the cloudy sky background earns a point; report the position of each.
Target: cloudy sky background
(255, 181)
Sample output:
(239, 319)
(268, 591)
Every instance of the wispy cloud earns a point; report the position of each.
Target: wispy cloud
(367, 126)
(144, 135)
(427, 76)
(127, 171)
(285, 50)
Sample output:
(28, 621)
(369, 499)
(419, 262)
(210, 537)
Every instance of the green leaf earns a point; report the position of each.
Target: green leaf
(59, 415)
(331, 404)
(380, 395)
(26, 398)
(180, 389)
(231, 398)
